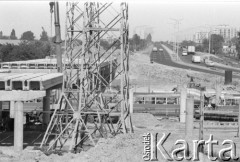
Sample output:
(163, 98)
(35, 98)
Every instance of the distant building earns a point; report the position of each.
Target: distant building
(229, 49)
(225, 31)
(198, 37)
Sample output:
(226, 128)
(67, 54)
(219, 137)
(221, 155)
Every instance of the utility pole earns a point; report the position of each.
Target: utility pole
(209, 50)
(177, 22)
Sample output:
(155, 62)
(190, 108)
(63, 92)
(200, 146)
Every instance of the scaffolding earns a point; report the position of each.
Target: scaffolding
(86, 106)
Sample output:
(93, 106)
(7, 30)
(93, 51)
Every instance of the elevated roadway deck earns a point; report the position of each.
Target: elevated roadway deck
(20, 87)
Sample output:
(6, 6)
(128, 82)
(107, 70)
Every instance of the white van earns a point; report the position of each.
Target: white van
(196, 59)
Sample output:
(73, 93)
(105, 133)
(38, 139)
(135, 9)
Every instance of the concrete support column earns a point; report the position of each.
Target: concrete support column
(183, 104)
(46, 107)
(12, 108)
(189, 117)
(18, 126)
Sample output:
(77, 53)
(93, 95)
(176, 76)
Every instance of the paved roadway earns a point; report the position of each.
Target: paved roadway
(165, 59)
(188, 59)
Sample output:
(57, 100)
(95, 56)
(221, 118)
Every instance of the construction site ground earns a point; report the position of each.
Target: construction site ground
(123, 147)
(129, 147)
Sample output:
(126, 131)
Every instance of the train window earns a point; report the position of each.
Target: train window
(160, 100)
(41, 66)
(5, 66)
(171, 101)
(32, 66)
(149, 100)
(14, 66)
(139, 100)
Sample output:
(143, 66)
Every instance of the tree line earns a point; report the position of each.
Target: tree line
(28, 35)
(29, 48)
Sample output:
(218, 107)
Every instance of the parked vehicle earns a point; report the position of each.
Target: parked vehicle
(191, 50)
(160, 49)
(196, 59)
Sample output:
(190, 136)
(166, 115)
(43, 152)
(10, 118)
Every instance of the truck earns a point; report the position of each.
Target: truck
(191, 50)
(196, 59)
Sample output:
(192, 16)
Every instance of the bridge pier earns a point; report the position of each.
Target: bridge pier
(18, 126)
(189, 117)
(46, 107)
(183, 99)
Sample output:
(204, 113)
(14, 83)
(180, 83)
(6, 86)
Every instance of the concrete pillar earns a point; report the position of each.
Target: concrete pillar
(189, 116)
(183, 104)
(131, 100)
(46, 107)
(12, 109)
(18, 127)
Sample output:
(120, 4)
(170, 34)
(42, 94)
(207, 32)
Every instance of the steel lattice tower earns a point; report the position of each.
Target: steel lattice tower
(88, 71)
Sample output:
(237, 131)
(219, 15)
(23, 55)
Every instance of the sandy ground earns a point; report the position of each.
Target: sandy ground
(129, 147)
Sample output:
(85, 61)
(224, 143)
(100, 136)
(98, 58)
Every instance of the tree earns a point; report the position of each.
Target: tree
(205, 44)
(5, 51)
(149, 38)
(186, 43)
(136, 41)
(216, 42)
(234, 40)
(13, 35)
(238, 45)
(28, 35)
(26, 50)
(44, 36)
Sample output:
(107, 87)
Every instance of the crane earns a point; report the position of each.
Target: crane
(54, 8)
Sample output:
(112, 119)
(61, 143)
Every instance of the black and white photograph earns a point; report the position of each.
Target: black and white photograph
(120, 81)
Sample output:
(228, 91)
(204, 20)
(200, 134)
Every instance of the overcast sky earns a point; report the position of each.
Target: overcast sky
(27, 15)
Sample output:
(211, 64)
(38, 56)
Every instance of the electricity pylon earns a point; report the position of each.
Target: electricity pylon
(85, 106)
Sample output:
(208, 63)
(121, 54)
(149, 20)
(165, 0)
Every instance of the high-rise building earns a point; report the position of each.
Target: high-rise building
(198, 37)
(225, 31)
